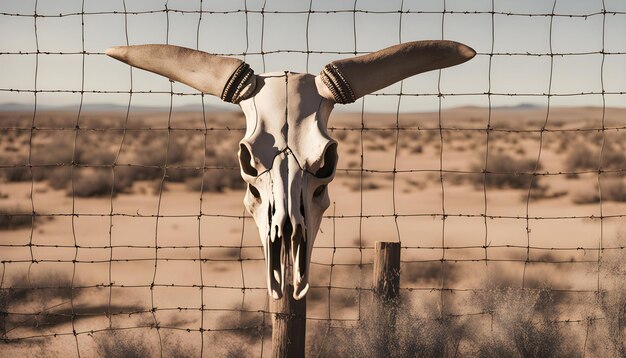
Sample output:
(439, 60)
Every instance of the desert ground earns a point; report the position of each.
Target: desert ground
(501, 215)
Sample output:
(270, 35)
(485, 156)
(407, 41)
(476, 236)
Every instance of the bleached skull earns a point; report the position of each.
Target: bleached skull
(287, 157)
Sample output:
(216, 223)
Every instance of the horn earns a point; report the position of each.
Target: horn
(352, 78)
(228, 78)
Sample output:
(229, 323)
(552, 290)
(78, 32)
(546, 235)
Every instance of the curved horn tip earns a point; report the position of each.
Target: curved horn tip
(466, 52)
(117, 52)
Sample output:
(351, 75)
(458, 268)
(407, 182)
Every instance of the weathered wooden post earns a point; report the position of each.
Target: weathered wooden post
(386, 289)
(288, 325)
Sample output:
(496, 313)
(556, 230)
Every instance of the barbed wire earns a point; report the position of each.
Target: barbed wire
(15, 320)
(310, 11)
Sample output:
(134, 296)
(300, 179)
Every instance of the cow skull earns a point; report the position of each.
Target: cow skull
(287, 157)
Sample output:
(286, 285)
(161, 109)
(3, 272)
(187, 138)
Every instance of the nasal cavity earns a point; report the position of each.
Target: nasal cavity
(287, 230)
(302, 211)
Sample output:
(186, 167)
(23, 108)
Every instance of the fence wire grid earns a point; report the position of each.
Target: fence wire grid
(339, 290)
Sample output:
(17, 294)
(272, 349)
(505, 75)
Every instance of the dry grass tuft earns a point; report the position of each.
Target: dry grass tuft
(139, 343)
(122, 344)
(612, 301)
(522, 325)
(414, 334)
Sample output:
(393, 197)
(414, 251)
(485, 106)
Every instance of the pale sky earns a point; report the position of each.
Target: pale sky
(226, 33)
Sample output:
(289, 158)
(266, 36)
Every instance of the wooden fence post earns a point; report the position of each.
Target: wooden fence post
(288, 325)
(386, 289)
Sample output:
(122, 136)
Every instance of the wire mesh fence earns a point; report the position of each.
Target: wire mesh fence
(123, 222)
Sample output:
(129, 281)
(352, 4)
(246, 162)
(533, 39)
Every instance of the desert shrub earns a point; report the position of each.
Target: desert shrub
(460, 178)
(613, 158)
(583, 157)
(217, 181)
(96, 155)
(543, 192)
(15, 217)
(57, 152)
(414, 334)
(248, 326)
(58, 178)
(122, 181)
(417, 149)
(386, 134)
(151, 157)
(612, 300)
(42, 172)
(431, 135)
(429, 272)
(505, 171)
(613, 189)
(139, 343)
(585, 197)
(369, 182)
(89, 182)
(340, 135)
(522, 325)
(20, 172)
(415, 184)
(55, 120)
(112, 343)
(15, 120)
(157, 186)
(148, 162)
(376, 147)
(367, 185)
(51, 161)
(353, 149)
(235, 351)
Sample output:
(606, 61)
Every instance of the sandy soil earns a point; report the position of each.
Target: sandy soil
(412, 207)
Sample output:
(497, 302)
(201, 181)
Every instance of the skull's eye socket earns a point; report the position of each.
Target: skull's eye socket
(319, 191)
(330, 162)
(254, 191)
(244, 160)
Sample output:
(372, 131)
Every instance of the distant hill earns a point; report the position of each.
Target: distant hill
(110, 107)
(520, 107)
